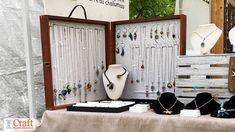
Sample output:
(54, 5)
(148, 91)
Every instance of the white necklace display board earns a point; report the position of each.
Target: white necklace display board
(205, 37)
(148, 51)
(78, 61)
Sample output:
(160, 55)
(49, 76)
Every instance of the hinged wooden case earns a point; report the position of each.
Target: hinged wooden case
(61, 43)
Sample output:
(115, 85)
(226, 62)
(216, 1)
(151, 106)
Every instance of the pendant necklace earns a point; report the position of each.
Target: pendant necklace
(74, 48)
(55, 71)
(102, 49)
(96, 52)
(176, 53)
(54, 46)
(169, 56)
(167, 110)
(132, 49)
(89, 61)
(166, 45)
(137, 63)
(130, 34)
(66, 83)
(147, 70)
(83, 89)
(122, 51)
(204, 38)
(117, 48)
(151, 31)
(78, 60)
(163, 60)
(87, 85)
(135, 33)
(69, 61)
(61, 61)
(152, 87)
(159, 63)
(124, 35)
(142, 50)
(198, 108)
(118, 33)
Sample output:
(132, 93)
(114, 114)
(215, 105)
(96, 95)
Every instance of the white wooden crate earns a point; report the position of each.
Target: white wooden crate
(206, 73)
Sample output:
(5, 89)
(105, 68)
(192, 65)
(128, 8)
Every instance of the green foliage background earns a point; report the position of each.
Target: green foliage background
(151, 8)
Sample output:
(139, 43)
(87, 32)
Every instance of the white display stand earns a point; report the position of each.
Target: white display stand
(118, 82)
(205, 37)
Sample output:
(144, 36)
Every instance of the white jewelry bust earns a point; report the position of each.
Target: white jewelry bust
(117, 76)
(205, 37)
(232, 36)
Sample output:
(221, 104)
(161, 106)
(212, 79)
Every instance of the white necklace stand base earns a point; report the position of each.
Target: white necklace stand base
(118, 83)
(190, 113)
(207, 34)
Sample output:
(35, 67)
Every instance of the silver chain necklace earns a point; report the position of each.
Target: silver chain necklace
(167, 110)
(204, 38)
(201, 105)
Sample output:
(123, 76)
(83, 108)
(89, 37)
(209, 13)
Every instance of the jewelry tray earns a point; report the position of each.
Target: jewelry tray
(105, 106)
(76, 52)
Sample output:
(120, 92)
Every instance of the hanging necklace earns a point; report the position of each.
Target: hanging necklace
(102, 49)
(130, 34)
(137, 63)
(147, 70)
(124, 35)
(123, 50)
(110, 84)
(152, 87)
(132, 55)
(204, 38)
(142, 50)
(118, 33)
(54, 47)
(167, 110)
(198, 108)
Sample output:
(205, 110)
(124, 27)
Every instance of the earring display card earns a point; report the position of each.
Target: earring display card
(74, 60)
(148, 49)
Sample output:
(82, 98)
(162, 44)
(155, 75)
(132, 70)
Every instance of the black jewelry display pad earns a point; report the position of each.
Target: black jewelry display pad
(109, 33)
(99, 109)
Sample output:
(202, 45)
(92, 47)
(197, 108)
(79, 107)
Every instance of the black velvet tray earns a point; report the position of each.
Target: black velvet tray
(99, 109)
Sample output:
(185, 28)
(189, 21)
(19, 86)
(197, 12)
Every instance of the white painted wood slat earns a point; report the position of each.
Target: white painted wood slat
(200, 60)
(189, 92)
(195, 71)
(202, 82)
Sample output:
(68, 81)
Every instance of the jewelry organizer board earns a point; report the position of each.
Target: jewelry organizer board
(74, 57)
(135, 45)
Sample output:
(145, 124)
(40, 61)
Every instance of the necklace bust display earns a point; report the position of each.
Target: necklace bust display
(114, 79)
(205, 37)
(167, 104)
(227, 109)
(203, 102)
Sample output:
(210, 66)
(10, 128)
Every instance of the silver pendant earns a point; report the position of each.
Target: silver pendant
(167, 112)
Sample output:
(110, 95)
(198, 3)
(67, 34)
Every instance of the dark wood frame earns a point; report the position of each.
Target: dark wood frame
(109, 46)
(46, 53)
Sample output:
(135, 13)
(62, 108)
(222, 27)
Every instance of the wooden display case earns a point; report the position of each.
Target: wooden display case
(109, 33)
